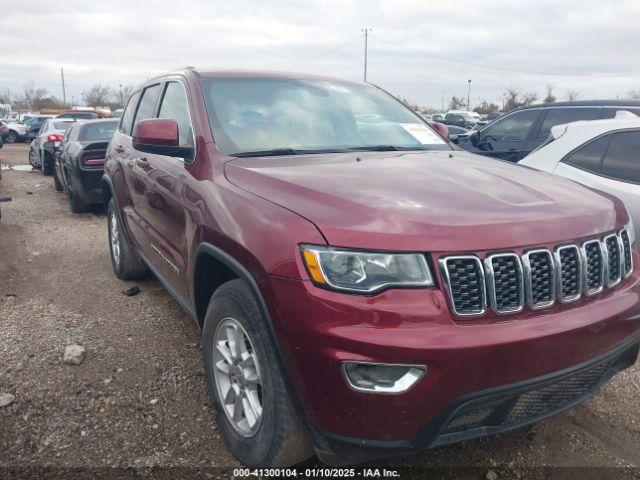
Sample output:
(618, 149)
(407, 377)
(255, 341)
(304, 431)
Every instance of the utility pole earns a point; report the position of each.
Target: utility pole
(442, 102)
(469, 96)
(366, 35)
(64, 91)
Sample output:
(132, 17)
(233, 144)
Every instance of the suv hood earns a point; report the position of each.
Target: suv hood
(436, 200)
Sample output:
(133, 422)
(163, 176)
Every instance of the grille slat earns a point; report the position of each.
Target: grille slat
(594, 267)
(466, 284)
(505, 283)
(569, 272)
(612, 246)
(540, 278)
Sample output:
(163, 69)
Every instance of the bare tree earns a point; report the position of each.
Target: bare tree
(634, 93)
(486, 107)
(98, 95)
(550, 97)
(457, 103)
(6, 96)
(33, 97)
(515, 99)
(123, 95)
(571, 95)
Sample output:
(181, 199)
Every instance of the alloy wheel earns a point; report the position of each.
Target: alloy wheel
(237, 377)
(114, 238)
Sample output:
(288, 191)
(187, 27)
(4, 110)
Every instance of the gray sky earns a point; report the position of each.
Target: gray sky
(588, 46)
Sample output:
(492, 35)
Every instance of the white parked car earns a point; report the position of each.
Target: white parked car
(602, 154)
(17, 132)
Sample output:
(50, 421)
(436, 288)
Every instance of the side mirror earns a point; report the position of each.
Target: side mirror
(474, 138)
(159, 136)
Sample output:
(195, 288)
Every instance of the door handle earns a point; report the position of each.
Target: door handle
(119, 149)
(143, 163)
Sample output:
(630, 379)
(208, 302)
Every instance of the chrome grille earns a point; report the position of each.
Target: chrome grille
(465, 279)
(626, 248)
(504, 282)
(539, 277)
(569, 273)
(594, 267)
(614, 267)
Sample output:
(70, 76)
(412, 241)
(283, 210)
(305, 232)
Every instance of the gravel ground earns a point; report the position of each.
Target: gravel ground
(138, 400)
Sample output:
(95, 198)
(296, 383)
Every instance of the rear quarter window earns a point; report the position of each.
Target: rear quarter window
(560, 116)
(622, 160)
(589, 156)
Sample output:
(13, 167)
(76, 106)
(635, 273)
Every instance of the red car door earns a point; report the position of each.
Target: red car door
(161, 205)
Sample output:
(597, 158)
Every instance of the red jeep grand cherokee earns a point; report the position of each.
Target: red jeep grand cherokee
(364, 290)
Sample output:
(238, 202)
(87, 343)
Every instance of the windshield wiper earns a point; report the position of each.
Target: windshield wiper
(269, 153)
(386, 148)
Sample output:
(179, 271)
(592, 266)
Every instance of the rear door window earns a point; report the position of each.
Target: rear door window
(589, 156)
(622, 160)
(127, 117)
(559, 116)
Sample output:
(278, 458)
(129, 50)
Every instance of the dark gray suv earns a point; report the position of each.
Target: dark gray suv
(519, 132)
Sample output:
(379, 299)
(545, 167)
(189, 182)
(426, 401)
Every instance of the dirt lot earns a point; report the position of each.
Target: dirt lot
(138, 400)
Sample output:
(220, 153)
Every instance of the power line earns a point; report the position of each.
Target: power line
(327, 52)
(489, 67)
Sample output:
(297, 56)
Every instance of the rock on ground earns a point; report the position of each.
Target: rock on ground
(74, 354)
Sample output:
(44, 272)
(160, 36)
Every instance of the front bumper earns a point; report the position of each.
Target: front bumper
(493, 410)
(318, 330)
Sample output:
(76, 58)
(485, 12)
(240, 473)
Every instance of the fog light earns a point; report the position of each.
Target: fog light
(382, 378)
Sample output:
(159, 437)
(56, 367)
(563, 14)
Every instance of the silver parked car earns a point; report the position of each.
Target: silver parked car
(43, 147)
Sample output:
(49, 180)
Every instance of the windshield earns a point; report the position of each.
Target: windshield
(290, 116)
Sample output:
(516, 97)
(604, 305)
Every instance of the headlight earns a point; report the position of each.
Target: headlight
(365, 272)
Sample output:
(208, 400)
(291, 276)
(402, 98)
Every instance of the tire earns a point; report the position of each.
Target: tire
(47, 164)
(57, 184)
(279, 438)
(76, 204)
(127, 265)
(11, 137)
(33, 159)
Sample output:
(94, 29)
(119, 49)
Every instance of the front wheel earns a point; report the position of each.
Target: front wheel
(11, 137)
(33, 159)
(246, 386)
(127, 265)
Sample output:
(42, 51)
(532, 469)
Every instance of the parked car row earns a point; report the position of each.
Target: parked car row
(363, 286)
(25, 127)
